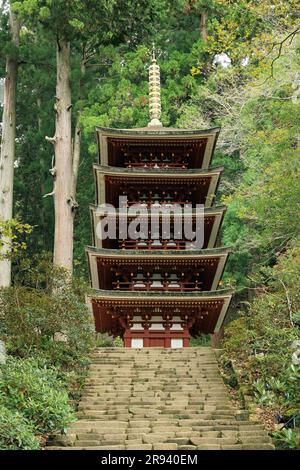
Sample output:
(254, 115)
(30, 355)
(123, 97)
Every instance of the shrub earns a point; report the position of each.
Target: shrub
(37, 392)
(203, 340)
(15, 432)
(104, 340)
(260, 343)
(287, 439)
(46, 315)
(12, 237)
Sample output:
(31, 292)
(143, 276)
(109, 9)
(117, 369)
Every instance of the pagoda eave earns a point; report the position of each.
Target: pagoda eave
(207, 310)
(213, 217)
(159, 253)
(160, 137)
(159, 130)
(207, 210)
(166, 173)
(103, 261)
(204, 183)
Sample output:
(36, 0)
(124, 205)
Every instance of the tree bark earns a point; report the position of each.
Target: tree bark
(67, 159)
(63, 171)
(76, 156)
(216, 338)
(7, 151)
(77, 134)
(203, 30)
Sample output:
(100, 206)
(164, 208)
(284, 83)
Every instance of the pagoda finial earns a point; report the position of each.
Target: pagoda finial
(154, 92)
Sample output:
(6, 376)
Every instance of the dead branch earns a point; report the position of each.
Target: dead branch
(52, 170)
(49, 194)
(288, 302)
(280, 44)
(52, 140)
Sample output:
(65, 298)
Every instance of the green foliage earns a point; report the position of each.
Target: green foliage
(282, 391)
(258, 145)
(203, 340)
(15, 431)
(260, 342)
(106, 341)
(91, 27)
(92, 20)
(287, 439)
(36, 392)
(49, 331)
(268, 326)
(269, 213)
(46, 315)
(12, 239)
(246, 29)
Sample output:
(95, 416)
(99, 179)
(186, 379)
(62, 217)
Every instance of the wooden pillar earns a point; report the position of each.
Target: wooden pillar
(167, 337)
(146, 338)
(127, 341)
(186, 338)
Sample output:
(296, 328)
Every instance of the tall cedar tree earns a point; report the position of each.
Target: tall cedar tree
(84, 26)
(7, 151)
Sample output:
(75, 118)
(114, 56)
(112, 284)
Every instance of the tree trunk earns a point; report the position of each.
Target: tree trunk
(7, 151)
(67, 158)
(203, 30)
(63, 172)
(77, 135)
(216, 338)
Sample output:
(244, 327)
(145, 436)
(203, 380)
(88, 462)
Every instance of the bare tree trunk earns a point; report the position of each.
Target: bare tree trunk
(203, 30)
(63, 172)
(77, 137)
(7, 151)
(76, 157)
(67, 159)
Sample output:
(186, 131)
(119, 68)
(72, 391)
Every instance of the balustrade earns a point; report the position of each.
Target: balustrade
(156, 244)
(151, 160)
(161, 198)
(146, 284)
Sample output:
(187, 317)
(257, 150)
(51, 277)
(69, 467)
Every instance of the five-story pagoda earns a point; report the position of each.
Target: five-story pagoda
(157, 288)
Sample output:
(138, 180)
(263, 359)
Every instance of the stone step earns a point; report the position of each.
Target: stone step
(168, 446)
(115, 426)
(105, 447)
(156, 399)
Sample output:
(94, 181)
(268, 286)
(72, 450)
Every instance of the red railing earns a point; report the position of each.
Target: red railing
(150, 285)
(155, 244)
(180, 165)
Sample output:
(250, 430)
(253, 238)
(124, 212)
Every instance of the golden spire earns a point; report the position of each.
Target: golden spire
(154, 92)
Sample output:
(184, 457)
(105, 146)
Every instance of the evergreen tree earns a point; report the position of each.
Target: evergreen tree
(82, 27)
(7, 150)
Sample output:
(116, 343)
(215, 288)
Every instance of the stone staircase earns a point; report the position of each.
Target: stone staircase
(160, 399)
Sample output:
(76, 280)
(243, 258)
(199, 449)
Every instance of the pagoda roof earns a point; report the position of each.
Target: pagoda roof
(207, 211)
(150, 172)
(157, 131)
(213, 261)
(102, 294)
(220, 251)
(108, 138)
(108, 178)
(213, 217)
(212, 306)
